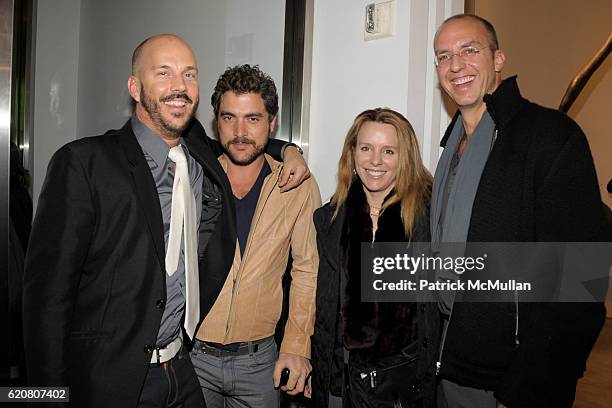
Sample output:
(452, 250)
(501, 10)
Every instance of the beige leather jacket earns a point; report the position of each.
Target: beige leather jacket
(250, 303)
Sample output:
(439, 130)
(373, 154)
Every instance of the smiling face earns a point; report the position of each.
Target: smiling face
(376, 156)
(165, 86)
(469, 78)
(244, 126)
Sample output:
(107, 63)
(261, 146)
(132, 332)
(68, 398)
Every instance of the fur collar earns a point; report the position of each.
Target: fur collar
(377, 329)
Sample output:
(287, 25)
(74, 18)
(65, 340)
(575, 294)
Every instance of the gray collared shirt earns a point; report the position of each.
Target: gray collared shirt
(156, 153)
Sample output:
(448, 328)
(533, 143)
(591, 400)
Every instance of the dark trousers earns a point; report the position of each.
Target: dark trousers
(243, 381)
(453, 395)
(173, 384)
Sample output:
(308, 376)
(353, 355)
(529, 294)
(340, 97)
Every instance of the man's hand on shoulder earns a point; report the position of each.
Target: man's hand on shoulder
(295, 171)
(299, 369)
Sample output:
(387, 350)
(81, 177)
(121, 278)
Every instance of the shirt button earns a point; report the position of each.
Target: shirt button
(425, 342)
(423, 307)
(160, 304)
(148, 348)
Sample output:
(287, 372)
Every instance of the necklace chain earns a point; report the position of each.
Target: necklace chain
(375, 210)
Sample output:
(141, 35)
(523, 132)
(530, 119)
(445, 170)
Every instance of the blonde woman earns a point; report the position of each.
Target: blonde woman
(382, 195)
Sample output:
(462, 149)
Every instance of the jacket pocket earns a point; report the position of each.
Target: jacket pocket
(392, 385)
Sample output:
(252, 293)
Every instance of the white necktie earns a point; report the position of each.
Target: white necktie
(183, 217)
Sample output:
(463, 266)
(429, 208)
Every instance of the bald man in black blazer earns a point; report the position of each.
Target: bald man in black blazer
(95, 286)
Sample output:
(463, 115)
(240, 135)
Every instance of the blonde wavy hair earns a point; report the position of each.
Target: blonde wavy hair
(413, 182)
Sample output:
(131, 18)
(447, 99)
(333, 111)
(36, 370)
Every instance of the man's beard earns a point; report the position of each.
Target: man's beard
(259, 150)
(152, 108)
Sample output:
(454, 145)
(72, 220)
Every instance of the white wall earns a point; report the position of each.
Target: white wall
(84, 49)
(350, 75)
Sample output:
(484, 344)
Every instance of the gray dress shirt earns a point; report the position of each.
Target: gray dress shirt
(156, 153)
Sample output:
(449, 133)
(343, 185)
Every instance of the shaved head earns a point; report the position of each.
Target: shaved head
(491, 33)
(137, 54)
(164, 85)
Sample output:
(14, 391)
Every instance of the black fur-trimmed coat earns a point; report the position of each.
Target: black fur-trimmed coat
(370, 331)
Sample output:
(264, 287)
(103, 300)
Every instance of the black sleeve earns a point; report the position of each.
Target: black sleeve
(557, 337)
(276, 148)
(59, 243)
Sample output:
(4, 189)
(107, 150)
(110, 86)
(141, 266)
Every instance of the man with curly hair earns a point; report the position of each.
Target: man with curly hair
(235, 355)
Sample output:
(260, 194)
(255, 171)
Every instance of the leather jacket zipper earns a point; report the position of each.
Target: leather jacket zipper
(373, 373)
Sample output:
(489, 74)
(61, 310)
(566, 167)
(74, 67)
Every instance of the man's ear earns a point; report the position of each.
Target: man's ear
(215, 127)
(499, 60)
(273, 124)
(133, 85)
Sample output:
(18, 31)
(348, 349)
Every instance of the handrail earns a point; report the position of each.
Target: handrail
(581, 79)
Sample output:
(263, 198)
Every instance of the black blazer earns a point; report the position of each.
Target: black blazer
(94, 286)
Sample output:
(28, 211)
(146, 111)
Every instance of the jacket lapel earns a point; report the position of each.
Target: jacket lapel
(145, 189)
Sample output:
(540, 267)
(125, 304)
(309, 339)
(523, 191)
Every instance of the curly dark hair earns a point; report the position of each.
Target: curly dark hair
(243, 79)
